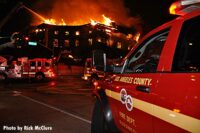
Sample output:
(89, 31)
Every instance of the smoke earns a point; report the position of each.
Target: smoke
(81, 11)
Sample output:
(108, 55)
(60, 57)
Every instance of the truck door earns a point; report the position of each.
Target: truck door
(32, 68)
(136, 85)
(47, 65)
(39, 65)
(32, 65)
(179, 87)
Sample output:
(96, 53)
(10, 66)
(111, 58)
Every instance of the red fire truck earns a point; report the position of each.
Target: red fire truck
(157, 88)
(90, 73)
(38, 68)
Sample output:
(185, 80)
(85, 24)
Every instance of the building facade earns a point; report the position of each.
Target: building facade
(82, 40)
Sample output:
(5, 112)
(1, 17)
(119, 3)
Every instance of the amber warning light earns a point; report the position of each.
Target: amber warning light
(183, 7)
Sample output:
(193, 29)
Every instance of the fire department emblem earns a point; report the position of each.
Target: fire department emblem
(126, 99)
(123, 95)
(129, 103)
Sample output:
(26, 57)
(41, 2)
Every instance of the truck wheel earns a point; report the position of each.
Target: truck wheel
(39, 76)
(3, 77)
(98, 124)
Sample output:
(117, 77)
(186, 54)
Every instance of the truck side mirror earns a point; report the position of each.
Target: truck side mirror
(120, 67)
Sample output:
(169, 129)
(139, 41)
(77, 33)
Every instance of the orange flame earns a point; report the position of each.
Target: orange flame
(62, 22)
(137, 37)
(92, 22)
(106, 21)
(49, 21)
(53, 22)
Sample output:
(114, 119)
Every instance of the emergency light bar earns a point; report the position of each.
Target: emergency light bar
(184, 6)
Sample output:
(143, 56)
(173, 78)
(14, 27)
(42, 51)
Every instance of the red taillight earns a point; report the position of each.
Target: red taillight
(117, 87)
(95, 83)
(53, 83)
(26, 38)
(53, 75)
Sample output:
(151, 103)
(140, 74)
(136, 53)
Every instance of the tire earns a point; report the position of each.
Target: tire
(39, 77)
(98, 124)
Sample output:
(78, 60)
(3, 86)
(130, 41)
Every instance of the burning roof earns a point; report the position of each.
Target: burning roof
(106, 21)
(79, 12)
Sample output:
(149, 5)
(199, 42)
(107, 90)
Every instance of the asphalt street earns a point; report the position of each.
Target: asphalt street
(63, 105)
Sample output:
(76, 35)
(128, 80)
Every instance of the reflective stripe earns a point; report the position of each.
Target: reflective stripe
(185, 122)
(29, 72)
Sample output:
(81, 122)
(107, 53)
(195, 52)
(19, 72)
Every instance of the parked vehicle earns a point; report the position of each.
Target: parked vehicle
(95, 68)
(157, 89)
(90, 72)
(38, 68)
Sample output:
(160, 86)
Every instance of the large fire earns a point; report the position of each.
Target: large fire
(79, 12)
(105, 20)
(54, 22)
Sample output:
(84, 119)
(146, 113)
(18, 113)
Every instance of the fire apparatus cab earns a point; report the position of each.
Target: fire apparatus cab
(90, 72)
(38, 68)
(94, 70)
(157, 89)
(87, 72)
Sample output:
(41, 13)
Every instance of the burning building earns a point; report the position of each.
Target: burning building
(81, 40)
(81, 34)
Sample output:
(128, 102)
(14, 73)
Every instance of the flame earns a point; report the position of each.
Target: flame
(82, 13)
(62, 22)
(54, 22)
(49, 21)
(137, 37)
(106, 21)
(92, 22)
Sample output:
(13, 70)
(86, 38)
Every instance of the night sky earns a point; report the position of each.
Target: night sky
(151, 13)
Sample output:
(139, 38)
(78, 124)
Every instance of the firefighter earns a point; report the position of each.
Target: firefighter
(17, 69)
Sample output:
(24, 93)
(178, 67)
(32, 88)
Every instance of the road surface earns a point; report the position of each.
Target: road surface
(61, 106)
